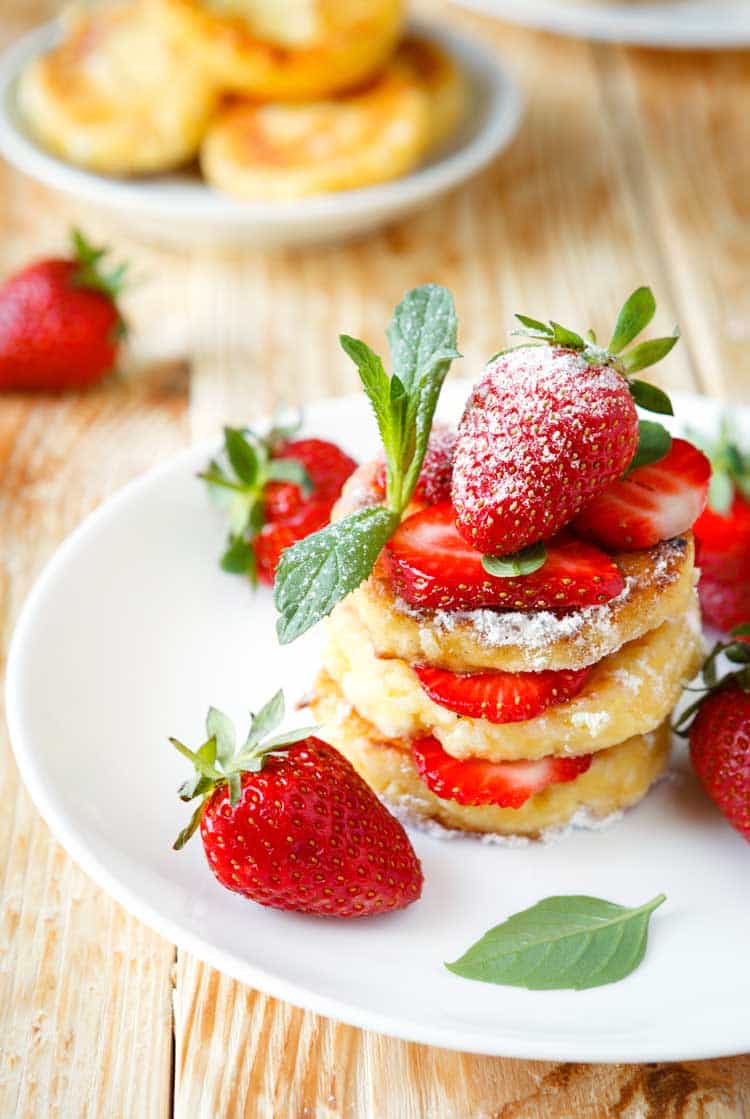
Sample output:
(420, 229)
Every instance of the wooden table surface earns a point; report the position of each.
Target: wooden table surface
(631, 167)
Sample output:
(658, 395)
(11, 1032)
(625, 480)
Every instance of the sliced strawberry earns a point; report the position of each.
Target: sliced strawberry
(652, 503)
(432, 565)
(500, 697)
(505, 784)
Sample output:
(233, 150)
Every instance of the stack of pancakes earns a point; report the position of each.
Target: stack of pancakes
(643, 647)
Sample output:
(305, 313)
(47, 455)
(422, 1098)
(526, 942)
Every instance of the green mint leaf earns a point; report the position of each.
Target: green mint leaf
(524, 562)
(266, 720)
(422, 334)
(317, 572)
(648, 353)
(654, 442)
(290, 470)
(720, 491)
(635, 315)
(569, 942)
(568, 339)
(220, 728)
(651, 398)
(242, 455)
(239, 558)
(535, 325)
(375, 383)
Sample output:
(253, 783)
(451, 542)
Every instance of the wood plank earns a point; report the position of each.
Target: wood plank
(85, 990)
(686, 139)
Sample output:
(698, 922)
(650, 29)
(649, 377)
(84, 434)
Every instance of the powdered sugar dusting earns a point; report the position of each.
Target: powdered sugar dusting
(542, 432)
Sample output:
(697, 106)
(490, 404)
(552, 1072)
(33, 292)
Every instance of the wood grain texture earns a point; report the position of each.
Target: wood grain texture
(632, 167)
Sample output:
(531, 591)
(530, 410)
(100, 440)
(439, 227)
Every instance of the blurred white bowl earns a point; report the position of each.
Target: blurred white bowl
(180, 210)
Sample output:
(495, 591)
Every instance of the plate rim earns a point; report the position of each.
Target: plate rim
(147, 198)
(619, 23)
(63, 828)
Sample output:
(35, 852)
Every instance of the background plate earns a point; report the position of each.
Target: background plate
(179, 209)
(671, 23)
(132, 631)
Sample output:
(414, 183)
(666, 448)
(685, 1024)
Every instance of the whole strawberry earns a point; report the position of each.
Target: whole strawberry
(722, 537)
(60, 327)
(287, 821)
(276, 490)
(719, 733)
(550, 425)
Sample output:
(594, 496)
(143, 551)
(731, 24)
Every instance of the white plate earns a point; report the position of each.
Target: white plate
(129, 635)
(179, 209)
(669, 23)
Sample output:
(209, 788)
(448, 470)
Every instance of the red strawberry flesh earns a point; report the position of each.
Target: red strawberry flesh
(543, 432)
(500, 697)
(433, 566)
(653, 503)
(503, 784)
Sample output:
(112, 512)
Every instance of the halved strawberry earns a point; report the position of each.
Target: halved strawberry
(652, 503)
(500, 697)
(432, 565)
(505, 784)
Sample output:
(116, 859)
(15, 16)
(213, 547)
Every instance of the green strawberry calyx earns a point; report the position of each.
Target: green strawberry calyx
(222, 759)
(635, 315)
(730, 467)
(89, 274)
(237, 477)
(737, 652)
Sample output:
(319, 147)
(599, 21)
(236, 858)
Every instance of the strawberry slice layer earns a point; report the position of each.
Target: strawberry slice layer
(504, 784)
(652, 503)
(500, 697)
(431, 565)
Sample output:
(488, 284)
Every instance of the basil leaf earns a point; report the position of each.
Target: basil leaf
(654, 442)
(524, 562)
(317, 572)
(561, 336)
(561, 943)
(241, 455)
(648, 353)
(651, 398)
(635, 315)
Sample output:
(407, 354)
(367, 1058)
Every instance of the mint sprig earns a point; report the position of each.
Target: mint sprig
(561, 943)
(317, 572)
(237, 478)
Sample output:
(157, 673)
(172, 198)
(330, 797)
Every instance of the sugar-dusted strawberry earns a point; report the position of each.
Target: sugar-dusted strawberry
(652, 503)
(504, 784)
(276, 491)
(549, 426)
(432, 565)
(287, 821)
(718, 727)
(722, 537)
(434, 483)
(60, 327)
(500, 697)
